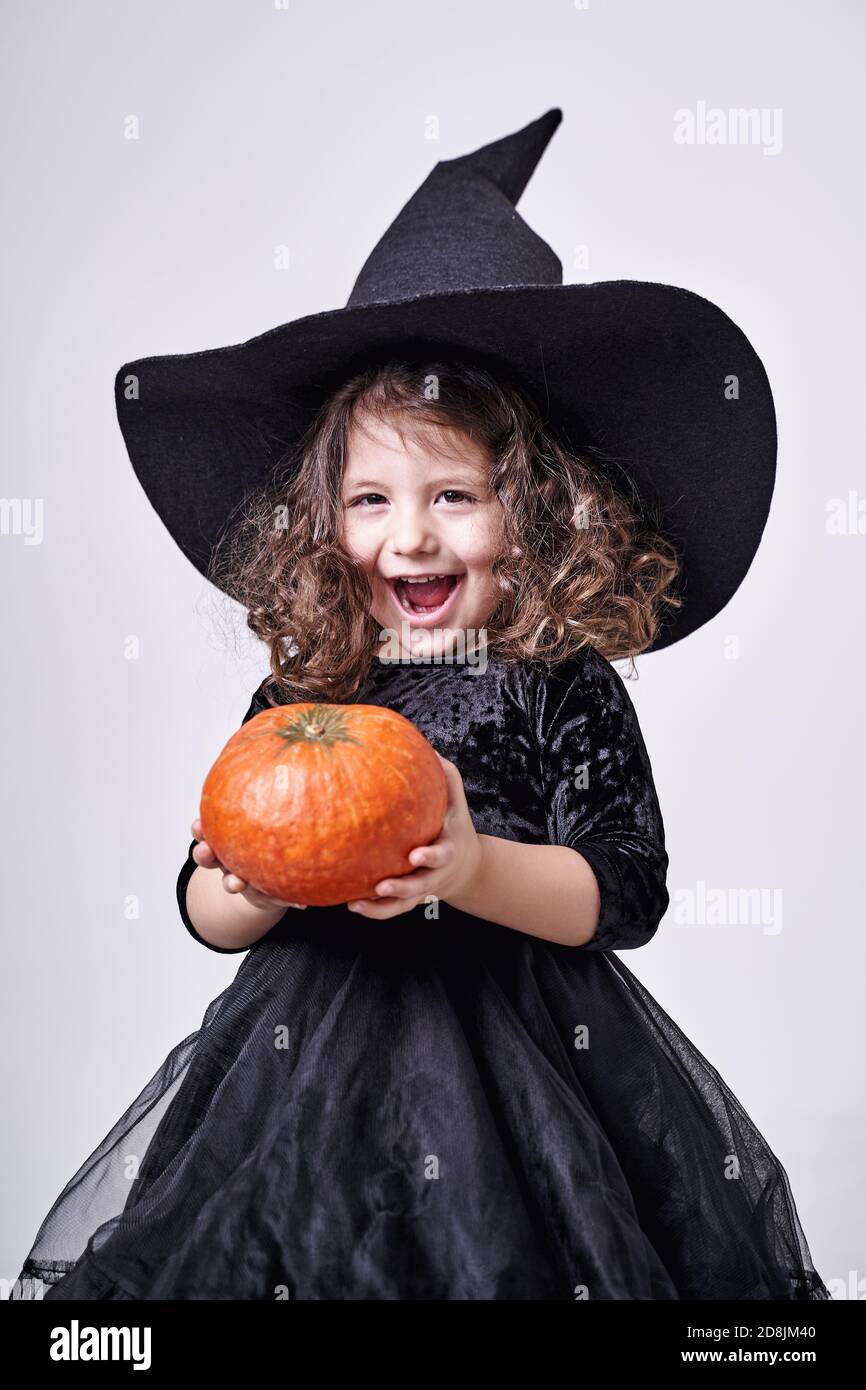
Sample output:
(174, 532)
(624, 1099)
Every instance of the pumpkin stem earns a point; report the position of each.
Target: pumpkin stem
(326, 724)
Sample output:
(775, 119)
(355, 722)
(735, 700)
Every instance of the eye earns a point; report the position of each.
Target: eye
(462, 496)
(377, 496)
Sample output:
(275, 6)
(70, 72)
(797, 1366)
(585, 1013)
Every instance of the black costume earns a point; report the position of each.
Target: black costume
(439, 1107)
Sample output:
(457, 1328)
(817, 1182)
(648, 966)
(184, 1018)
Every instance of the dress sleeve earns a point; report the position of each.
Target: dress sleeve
(600, 796)
(257, 704)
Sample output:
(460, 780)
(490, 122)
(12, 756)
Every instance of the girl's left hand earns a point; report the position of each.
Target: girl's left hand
(445, 868)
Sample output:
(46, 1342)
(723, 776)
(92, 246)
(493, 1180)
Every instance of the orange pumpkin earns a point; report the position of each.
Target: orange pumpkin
(316, 803)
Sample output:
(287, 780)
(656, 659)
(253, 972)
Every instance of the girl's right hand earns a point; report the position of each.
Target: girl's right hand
(206, 859)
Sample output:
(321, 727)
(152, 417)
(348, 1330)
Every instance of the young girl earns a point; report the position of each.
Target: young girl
(453, 1089)
(447, 499)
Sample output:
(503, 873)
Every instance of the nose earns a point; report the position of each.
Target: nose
(411, 530)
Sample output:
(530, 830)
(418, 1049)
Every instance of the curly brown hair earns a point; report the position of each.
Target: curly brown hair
(579, 562)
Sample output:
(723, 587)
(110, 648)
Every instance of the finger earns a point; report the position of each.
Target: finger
(233, 884)
(451, 770)
(204, 855)
(381, 908)
(197, 833)
(406, 886)
(434, 856)
(456, 790)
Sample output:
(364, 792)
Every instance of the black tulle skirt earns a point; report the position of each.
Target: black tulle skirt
(396, 1110)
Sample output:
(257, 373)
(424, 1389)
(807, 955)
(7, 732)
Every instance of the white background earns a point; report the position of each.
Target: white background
(308, 127)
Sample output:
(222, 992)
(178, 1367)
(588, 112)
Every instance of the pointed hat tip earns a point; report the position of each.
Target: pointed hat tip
(542, 128)
(549, 123)
(510, 161)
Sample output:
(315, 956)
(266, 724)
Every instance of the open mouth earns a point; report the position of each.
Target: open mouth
(425, 596)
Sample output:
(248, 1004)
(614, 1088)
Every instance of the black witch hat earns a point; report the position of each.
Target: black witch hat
(656, 377)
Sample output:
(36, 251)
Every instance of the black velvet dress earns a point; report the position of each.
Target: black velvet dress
(439, 1107)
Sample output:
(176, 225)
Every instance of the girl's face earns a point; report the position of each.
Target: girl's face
(411, 514)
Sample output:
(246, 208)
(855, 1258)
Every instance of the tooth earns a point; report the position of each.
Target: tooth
(422, 579)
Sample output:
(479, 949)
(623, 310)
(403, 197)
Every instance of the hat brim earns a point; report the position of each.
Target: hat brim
(643, 371)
